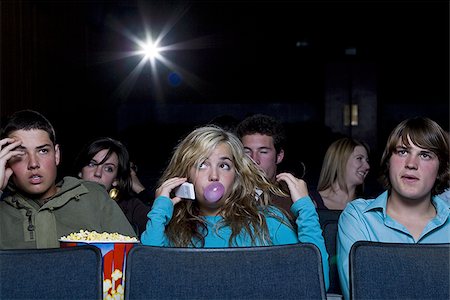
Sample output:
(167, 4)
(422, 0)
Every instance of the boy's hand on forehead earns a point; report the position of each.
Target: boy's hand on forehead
(5, 142)
(8, 145)
(8, 150)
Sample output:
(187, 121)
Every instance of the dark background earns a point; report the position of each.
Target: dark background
(238, 58)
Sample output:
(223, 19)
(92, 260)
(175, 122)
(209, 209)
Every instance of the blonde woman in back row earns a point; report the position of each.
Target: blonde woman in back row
(344, 169)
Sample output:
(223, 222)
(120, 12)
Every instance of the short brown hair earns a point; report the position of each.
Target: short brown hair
(427, 134)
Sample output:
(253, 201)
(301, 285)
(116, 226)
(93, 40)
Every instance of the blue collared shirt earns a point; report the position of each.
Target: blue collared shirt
(445, 195)
(366, 220)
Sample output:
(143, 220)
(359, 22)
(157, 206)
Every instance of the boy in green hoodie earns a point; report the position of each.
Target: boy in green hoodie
(35, 211)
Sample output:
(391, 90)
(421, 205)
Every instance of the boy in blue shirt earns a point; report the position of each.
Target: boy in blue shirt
(415, 169)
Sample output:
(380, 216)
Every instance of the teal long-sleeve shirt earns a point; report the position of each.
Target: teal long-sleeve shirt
(307, 220)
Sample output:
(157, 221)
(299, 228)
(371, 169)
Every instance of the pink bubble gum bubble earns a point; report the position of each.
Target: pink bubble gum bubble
(214, 192)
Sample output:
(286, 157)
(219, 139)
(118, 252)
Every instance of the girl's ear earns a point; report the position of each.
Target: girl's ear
(79, 174)
(115, 183)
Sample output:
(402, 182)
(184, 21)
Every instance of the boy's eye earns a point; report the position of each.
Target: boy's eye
(401, 151)
(425, 155)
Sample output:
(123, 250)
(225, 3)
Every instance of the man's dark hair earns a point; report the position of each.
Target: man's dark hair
(28, 120)
(263, 124)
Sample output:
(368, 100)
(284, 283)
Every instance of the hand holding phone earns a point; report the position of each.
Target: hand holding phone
(185, 191)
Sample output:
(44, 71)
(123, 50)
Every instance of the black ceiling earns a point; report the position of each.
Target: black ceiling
(242, 51)
(278, 50)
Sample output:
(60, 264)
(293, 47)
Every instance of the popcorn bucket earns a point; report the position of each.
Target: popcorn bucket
(114, 260)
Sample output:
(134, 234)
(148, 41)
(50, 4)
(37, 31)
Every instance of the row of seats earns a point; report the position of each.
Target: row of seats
(271, 272)
(377, 270)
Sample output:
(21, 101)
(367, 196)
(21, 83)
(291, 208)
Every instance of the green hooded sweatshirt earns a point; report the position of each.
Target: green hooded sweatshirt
(77, 205)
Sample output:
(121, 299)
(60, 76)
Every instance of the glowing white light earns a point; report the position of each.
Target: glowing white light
(150, 50)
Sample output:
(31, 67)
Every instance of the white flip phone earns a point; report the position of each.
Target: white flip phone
(186, 191)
